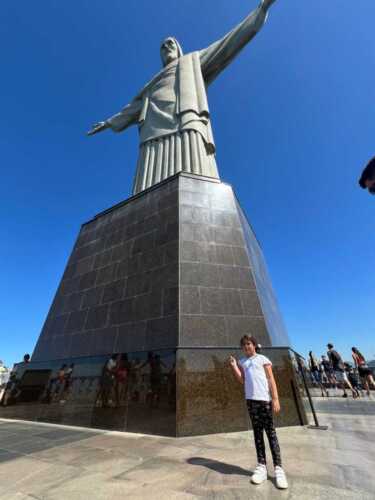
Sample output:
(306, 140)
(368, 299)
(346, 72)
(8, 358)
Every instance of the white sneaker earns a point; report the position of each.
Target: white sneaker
(281, 481)
(259, 475)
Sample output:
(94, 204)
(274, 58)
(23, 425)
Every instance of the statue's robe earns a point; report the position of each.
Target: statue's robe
(172, 110)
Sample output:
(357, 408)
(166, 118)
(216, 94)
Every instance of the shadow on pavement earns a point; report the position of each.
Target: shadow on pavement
(217, 466)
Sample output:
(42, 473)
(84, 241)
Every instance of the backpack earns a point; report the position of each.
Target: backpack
(337, 361)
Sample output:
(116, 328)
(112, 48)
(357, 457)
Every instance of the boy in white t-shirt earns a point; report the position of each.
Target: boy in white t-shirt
(255, 372)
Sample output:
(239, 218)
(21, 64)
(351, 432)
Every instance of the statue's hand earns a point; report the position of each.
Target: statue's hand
(266, 4)
(98, 127)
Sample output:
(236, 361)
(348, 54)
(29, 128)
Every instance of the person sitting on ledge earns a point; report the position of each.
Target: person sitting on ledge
(255, 372)
(367, 180)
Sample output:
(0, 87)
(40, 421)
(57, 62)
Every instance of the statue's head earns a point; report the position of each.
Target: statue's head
(170, 50)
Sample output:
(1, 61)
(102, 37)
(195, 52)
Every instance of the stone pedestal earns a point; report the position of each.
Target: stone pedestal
(171, 278)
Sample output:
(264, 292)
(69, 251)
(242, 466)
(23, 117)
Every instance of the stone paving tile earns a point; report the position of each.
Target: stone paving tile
(57, 435)
(179, 453)
(97, 460)
(302, 490)
(145, 447)
(27, 446)
(86, 486)
(50, 477)
(10, 441)
(20, 469)
(6, 455)
(22, 496)
(5, 429)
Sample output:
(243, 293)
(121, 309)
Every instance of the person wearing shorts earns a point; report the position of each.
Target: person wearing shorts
(363, 370)
(254, 371)
(328, 371)
(339, 371)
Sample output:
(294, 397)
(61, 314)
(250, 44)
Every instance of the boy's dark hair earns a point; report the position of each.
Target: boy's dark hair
(249, 338)
(368, 173)
(330, 346)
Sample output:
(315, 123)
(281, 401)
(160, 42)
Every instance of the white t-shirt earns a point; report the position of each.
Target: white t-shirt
(256, 382)
(111, 364)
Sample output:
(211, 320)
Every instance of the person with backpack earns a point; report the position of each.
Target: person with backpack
(363, 370)
(339, 370)
(326, 366)
(254, 371)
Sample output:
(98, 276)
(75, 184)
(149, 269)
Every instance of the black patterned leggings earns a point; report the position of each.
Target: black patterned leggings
(260, 413)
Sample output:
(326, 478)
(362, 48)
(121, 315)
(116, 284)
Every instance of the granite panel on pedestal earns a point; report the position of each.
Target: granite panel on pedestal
(156, 294)
(79, 391)
(224, 285)
(120, 287)
(211, 400)
(174, 393)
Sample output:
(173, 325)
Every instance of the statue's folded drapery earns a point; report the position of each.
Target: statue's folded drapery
(179, 152)
(172, 110)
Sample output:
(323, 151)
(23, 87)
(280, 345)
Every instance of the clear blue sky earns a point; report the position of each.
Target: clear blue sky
(294, 124)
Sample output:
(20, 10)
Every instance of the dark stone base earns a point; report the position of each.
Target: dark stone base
(176, 271)
(197, 395)
(175, 266)
(144, 401)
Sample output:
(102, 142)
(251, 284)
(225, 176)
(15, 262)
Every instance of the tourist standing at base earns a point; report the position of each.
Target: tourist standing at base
(363, 370)
(339, 370)
(255, 372)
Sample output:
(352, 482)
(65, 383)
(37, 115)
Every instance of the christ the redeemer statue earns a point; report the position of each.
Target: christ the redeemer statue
(172, 112)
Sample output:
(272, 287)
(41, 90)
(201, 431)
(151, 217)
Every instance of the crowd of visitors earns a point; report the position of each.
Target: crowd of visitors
(331, 372)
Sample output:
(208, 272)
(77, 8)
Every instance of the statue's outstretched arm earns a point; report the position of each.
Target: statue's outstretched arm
(217, 56)
(125, 118)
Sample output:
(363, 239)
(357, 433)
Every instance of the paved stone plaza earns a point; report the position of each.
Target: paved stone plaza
(47, 462)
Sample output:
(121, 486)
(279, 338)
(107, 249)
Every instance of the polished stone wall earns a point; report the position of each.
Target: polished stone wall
(177, 265)
(209, 399)
(188, 392)
(119, 291)
(219, 294)
(267, 297)
(82, 392)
